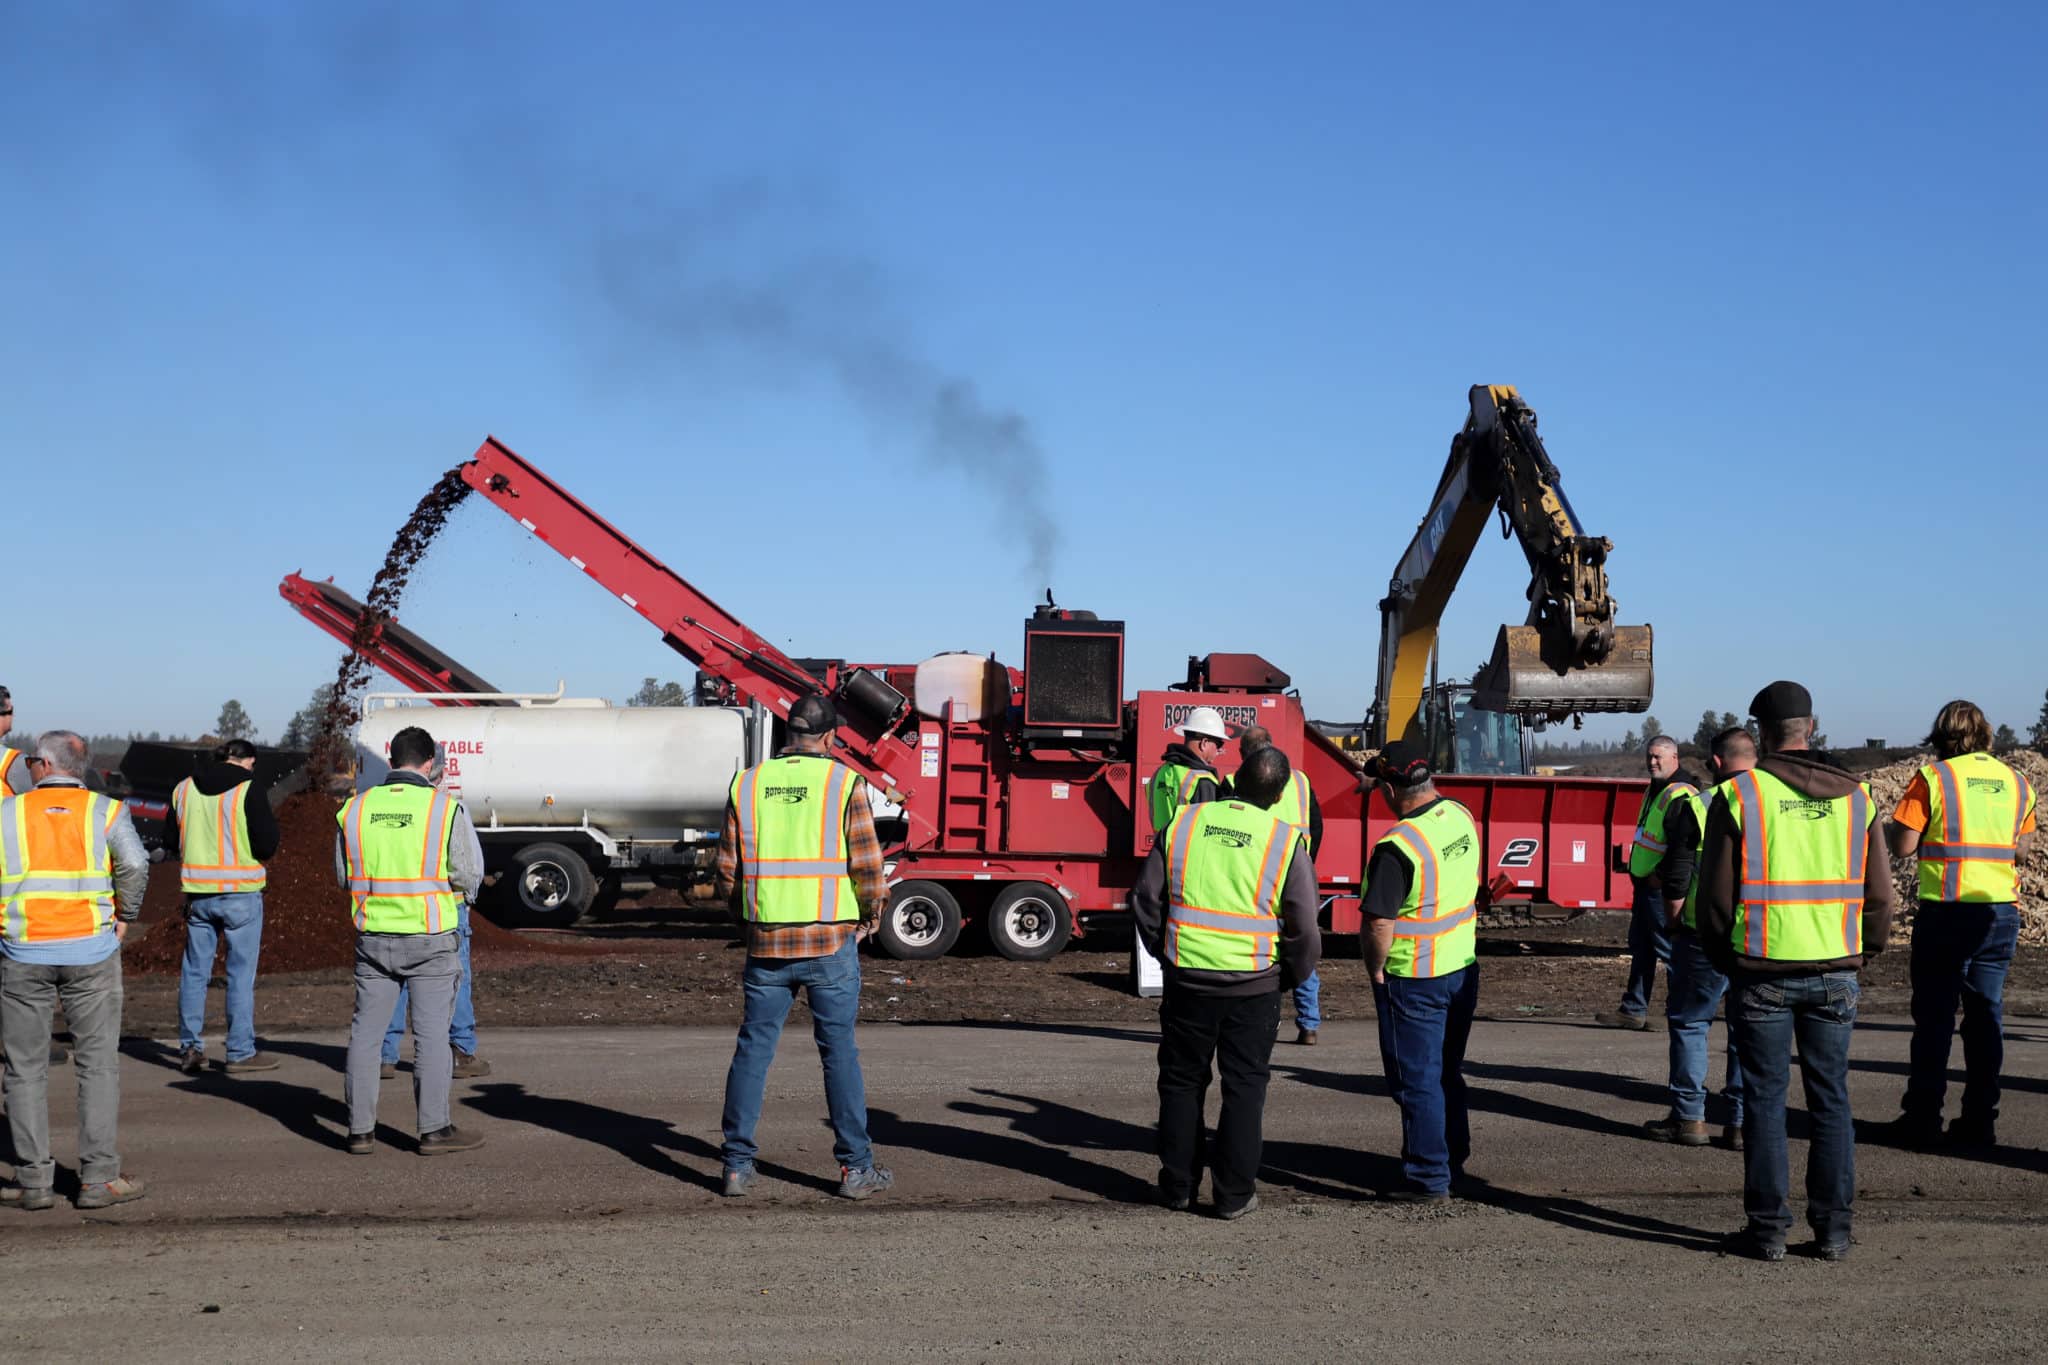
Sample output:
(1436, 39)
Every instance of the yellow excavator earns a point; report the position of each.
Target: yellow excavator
(1569, 657)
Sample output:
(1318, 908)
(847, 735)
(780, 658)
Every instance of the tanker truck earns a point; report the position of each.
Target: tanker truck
(575, 799)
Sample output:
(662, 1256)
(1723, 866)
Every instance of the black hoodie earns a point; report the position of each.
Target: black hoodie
(216, 778)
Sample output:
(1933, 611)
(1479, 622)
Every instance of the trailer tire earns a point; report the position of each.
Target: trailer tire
(1029, 922)
(921, 923)
(551, 885)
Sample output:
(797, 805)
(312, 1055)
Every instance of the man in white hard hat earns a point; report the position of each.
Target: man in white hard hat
(1187, 770)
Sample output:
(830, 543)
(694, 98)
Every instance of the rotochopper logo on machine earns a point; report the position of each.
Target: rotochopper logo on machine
(1236, 717)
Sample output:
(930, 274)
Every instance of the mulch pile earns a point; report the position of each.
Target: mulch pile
(1889, 783)
(306, 924)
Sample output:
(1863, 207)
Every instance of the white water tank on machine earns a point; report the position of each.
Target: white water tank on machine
(643, 772)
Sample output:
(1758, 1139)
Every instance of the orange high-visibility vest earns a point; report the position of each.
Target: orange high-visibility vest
(56, 876)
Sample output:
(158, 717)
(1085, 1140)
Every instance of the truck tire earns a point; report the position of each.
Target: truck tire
(921, 923)
(1029, 922)
(551, 885)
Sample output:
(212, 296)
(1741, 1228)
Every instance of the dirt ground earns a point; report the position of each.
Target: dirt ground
(665, 966)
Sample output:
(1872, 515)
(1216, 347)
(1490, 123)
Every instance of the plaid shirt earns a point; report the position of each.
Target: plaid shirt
(863, 864)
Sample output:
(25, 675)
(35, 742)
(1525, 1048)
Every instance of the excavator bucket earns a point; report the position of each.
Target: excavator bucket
(1523, 680)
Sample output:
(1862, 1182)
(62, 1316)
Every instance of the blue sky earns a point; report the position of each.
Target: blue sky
(1772, 279)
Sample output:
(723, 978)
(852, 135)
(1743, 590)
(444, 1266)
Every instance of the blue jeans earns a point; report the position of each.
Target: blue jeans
(1695, 995)
(1960, 952)
(832, 985)
(1649, 942)
(238, 918)
(1308, 1002)
(1768, 1013)
(462, 1027)
(1425, 1023)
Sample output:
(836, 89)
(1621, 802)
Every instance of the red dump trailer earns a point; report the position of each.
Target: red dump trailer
(1019, 797)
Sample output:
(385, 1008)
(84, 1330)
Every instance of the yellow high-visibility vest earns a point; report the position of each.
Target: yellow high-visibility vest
(395, 838)
(1976, 807)
(213, 842)
(1226, 866)
(1803, 862)
(792, 819)
(1437, 931)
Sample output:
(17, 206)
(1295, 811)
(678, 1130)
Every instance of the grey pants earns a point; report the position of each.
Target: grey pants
(29, 993)
(429, 967)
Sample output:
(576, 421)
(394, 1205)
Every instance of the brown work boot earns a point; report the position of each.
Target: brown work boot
(1619, 1019)
(1731, 1137)
(1305, 1038)
(442, 1141)
(192, 1061)
(255, 1061)
(1684, 1132)
(387, 1071)
(468, 1065)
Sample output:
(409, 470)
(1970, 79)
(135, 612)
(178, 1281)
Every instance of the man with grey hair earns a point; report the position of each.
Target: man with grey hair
(72, 876)
(1649, 924)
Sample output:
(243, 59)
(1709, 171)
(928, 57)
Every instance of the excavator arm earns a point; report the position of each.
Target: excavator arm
(1569, 655)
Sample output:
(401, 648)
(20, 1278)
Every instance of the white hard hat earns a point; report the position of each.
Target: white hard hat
(1204, 720)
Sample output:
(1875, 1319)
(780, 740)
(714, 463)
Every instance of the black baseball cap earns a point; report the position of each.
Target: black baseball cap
(1781, 701)
(813, 715)
(1403, 763)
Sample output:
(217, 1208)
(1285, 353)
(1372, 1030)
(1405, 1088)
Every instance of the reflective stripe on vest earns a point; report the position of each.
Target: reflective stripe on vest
(1437, 929)
(792, 819)
(213, 842)
(8, 758)
(395, 840)
(1226, 865)
(1293, 804)
(1647, 849)
(1173, 787)
(1803, 860)
(1976, 807)
(56, 877)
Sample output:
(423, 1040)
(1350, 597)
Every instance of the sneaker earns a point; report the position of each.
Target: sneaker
(1731, 1137)
(1753, 1244)
(738, 1180)
(192, 1061)
(1970, 1133)
(255, 1061)
(1837, 1250)
(21, 1197)
(362, 1144)
(442, 1141)
(110, 1192)
(1250, 1205)
(1415, 1196)
(862, 1183)
(1175, 1201)
(468, 1064)
(387, 1071)
(1305, 1038)
(1640, 1023)
(1684, 1132)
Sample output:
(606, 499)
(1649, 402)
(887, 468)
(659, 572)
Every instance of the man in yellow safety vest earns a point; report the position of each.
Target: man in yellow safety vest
(1187, 770)
(226, 832)
(409, 857)
(72, 875)
(1298, 807)
(1227, 902)
(1649, 925)
(800, 864)
(1967, 818)
(1795, 892)
(1420, 942)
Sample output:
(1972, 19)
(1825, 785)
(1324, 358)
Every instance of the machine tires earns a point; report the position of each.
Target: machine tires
(550, 885)
(1029, 922)
(922, 922)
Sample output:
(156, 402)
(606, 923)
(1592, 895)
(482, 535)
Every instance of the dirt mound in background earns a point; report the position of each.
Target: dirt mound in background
(1889, 783)
(306, 923)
